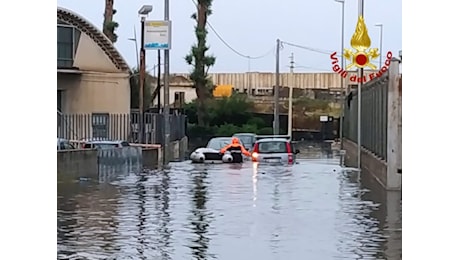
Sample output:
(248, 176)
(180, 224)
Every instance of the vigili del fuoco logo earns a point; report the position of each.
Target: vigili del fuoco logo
(361, 55)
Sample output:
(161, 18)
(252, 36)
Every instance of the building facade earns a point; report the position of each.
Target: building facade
(92, 76)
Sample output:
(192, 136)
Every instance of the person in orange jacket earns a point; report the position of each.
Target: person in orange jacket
(235, 146)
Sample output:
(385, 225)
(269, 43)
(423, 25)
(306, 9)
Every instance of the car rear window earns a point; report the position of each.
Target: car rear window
(272, 147)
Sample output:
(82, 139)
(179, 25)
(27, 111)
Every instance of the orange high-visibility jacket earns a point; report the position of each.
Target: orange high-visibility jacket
(235, 144)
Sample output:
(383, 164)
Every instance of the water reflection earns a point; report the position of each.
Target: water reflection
(245, 211)
(141, 192)
(200, 218)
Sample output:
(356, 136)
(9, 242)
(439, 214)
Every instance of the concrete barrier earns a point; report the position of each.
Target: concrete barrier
(119, 161)
(150, 158)
(74, 164)
(105, 163)
(370, 164)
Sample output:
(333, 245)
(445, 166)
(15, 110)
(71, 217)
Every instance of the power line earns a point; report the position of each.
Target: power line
(308, 48)
(230, 47)
(316, 50)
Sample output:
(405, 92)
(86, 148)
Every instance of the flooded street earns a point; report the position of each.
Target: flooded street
(311, 210)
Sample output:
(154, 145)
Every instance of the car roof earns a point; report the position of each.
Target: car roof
(104, 141)
(251, 134)
(266, 140)
(220, 138)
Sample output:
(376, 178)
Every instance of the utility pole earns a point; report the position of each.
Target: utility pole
(141, 84)
(166, 97)
(276, 122)
(159, 81)
(248, 77)
(291, 86)
(360, 85)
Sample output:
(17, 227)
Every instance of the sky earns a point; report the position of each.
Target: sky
(251, 28)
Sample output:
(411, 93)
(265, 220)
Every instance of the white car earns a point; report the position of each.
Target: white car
(211, 153)
(274, 149)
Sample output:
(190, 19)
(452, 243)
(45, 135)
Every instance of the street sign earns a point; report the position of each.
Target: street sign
(157, 35)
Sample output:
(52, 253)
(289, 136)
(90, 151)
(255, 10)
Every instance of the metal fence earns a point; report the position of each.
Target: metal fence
(119, 127)
(374, 116)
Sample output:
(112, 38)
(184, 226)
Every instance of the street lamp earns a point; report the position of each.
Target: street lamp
(381, 35)
(135, 42)
(143, 12)
(342, 81)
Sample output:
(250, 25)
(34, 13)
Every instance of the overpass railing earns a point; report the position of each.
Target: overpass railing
(381, 120)
(374, 113)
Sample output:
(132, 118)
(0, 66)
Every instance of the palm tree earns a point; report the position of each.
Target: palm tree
(109, 25)
(200, 61)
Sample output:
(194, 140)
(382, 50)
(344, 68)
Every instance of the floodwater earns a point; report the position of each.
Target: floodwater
(311, 210)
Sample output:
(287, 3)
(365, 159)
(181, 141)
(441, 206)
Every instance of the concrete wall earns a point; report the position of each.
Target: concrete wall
(179, 149)
(370, 164)
(94, 92)
(119, 160)
(73, 164)
(100, 164)
(150, 158)
(90, 57)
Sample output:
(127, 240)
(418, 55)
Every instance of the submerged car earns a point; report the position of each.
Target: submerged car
(64, 144)
(247, 139)
(103, 144)
(275, 149)
(211, 153)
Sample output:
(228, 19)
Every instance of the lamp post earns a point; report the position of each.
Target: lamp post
(360, 85)
(137, 47)
(143, 12)
(381, 37)
(342, 81)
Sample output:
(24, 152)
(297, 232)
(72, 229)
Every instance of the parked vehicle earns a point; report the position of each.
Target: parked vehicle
(103, 144)
(64, 144)
(247, 139)
(274, 149)
(211, 153)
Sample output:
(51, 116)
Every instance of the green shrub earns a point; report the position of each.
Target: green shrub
(227, 130)
(265, 131)
(194, 130)
(257, 121)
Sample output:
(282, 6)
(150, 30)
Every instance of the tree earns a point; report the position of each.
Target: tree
(134, 84)
(109, 25)
(201, 62)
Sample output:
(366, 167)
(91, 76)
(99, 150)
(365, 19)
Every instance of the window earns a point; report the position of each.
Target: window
(273, 147)
(100, 125)
(179, 98)
(59, 100)
(67, 41)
